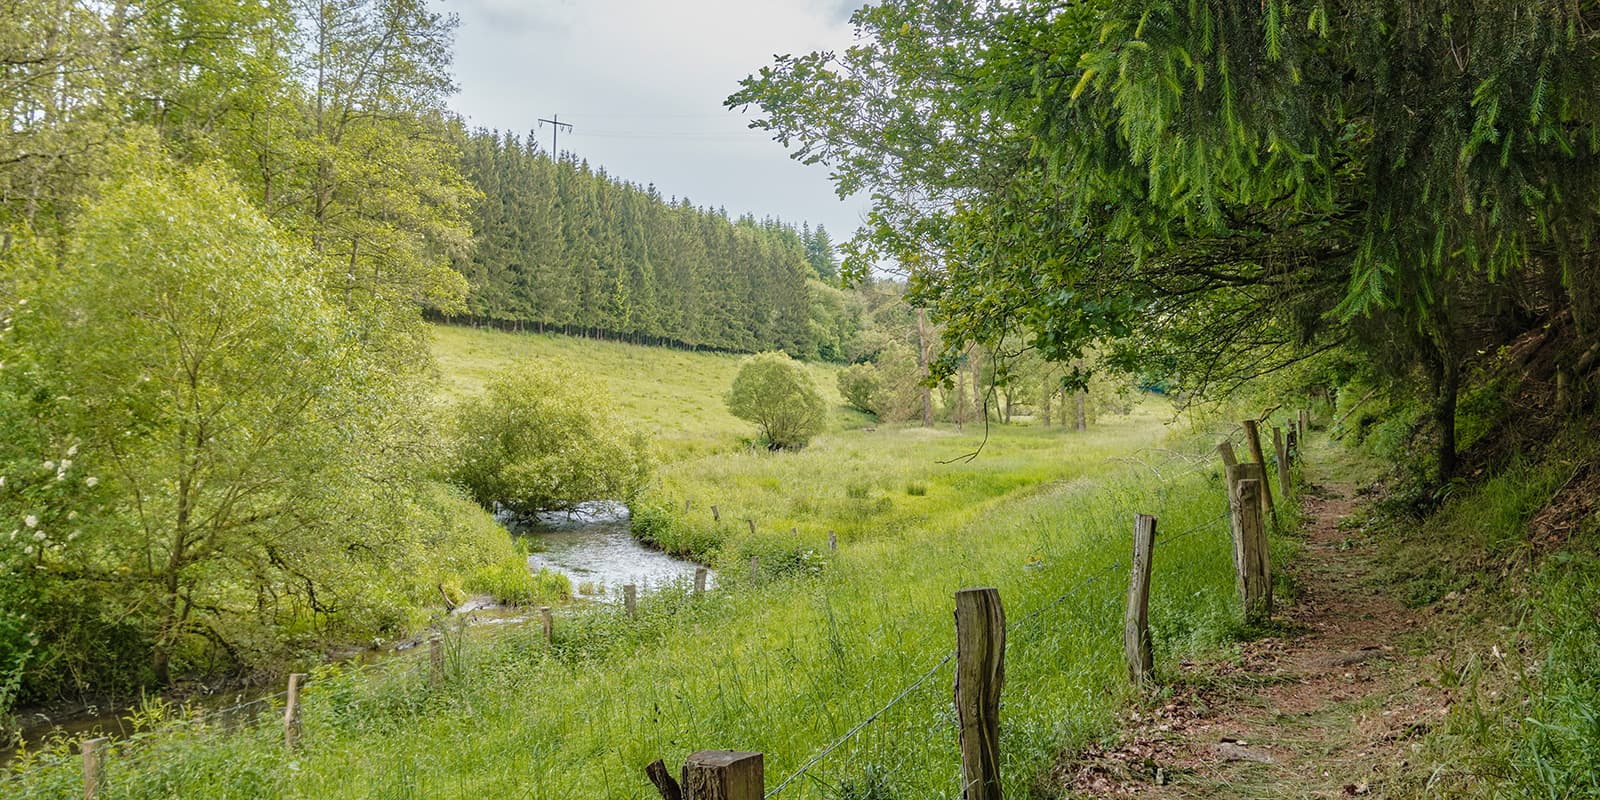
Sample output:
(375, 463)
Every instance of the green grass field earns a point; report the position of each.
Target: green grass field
(673, 395)
(784, 663)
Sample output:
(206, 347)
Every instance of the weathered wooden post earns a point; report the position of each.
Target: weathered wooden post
(755, 568)
(1226, 450)
(716, 515)
(752, 522)
(723, 775)
(688, 503)
(665, 783)
(630, 599)
(980, 674)
(1136, 620)
(1305, 424)
(435, 662)
(1253, 573)
(833, 541)
(699, 581)
(94, 766)
(291, 711)
(1282, 449)
(548, 622)
(1252, 436)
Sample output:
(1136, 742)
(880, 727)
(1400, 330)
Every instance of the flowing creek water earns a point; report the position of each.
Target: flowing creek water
(592, 546)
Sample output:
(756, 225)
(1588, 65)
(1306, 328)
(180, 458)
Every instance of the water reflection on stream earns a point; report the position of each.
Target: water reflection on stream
(593, 547)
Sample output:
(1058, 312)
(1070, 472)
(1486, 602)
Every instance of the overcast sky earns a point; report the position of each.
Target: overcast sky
(642, 82)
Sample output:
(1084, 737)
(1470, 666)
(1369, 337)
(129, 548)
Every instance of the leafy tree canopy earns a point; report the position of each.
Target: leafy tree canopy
(1221, 187)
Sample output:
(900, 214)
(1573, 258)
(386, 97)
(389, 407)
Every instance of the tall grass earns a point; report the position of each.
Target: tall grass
(781, 665)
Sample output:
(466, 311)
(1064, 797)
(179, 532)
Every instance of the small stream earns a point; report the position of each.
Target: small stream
(594, 548)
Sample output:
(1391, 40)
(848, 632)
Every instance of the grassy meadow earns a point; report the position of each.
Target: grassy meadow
(783, 663)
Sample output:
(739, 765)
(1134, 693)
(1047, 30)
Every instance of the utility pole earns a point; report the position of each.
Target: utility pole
(556, 125)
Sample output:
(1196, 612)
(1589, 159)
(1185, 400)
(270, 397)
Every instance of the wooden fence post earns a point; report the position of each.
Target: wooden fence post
(833, 541)
(1252, 436)
(1225, 449)
(1305, 424)
(716, 515)
(94, 766)
(630, 599)
(548, 622)
(1282, 447)
(435, 662)
(723, 775)
(980, 674)
(755, 568)
(699, 581)
(688, 503)
(752, 522)
(1253, 573)
(1136, 620)
(291, 711)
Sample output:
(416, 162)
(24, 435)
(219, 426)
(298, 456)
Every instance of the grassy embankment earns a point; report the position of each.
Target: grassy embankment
(783, 664)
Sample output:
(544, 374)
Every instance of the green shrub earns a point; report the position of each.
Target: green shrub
(544, 438)
(859, 385)
(773, 391)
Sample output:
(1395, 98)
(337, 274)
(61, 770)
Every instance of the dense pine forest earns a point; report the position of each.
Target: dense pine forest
(565, 247)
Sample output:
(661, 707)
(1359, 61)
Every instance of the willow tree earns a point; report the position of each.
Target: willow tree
(1220, 187)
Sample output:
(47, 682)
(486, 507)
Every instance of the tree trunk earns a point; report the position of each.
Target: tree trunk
(922, 365)
(1081, 423)
(1444, 416)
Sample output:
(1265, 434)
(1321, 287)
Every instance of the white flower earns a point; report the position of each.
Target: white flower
(91, 481)
(39, 537)
(66, 464)
(72, 536)
(31, 521)
(72, 515)
(2, 481)
(49, 465)
(27, 551)
(72, 451)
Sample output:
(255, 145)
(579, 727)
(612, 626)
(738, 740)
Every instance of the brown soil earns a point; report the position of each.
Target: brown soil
(1329, 707)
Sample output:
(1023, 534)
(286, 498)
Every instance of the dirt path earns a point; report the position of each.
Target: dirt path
(1327, 708)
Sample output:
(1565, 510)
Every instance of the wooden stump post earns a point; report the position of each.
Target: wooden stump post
(1136, 620)
(291, 711)
(94, 766)
(980, 674)
(630, 599)
(755, 568)
(1253, 573)
(752, 523)
(688, 503)
(699, 581)
(548, 622)
(833, 541)
(435, 662)
(723, 775)
(666, 785)
(716, 515)
(1282, 449)
(1225, 449)
(1252, 436)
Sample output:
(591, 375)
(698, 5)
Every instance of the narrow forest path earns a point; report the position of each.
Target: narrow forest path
(1327, 707)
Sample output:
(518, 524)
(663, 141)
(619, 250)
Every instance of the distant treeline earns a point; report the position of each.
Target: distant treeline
(563, 247)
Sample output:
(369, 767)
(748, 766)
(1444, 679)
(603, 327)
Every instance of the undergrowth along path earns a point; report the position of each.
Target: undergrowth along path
(1330, 702)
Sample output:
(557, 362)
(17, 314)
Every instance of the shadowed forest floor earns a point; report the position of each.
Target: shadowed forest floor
(1332, 700)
